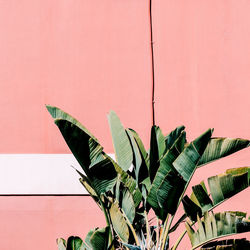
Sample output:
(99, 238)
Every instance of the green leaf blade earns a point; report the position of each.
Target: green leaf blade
(89, 153)
(169, 192)
(74, 243)
(166, 165)
(84, 148)
(119, 222)
(187, 161)
(222, 187)
(103, 175)
(228, 244)
(128, 206)
(202, 197)
(157, 148)
(173, 136)
(99, 239)
(57, 113)
(221, 147)
(142, 149)
(140, 156)
(122, 147)
(222, 224)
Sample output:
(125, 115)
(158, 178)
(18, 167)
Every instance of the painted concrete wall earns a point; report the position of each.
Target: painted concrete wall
(88, 57)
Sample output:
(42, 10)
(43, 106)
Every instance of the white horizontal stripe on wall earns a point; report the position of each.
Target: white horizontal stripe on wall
(30, 174)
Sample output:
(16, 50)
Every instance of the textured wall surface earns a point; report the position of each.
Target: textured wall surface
(88, 57)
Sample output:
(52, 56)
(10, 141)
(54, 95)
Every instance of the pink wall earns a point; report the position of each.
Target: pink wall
(88, 57)
(36, 222)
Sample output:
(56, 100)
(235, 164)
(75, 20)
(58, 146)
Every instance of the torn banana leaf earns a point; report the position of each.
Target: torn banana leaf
(212, 227)
(221, 187)
(221, 147)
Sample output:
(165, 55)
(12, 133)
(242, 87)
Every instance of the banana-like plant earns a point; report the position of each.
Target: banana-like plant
(140, 181)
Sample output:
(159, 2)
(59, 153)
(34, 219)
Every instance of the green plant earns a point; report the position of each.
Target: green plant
(140, 181)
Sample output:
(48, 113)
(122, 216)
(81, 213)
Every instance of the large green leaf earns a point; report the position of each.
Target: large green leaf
(74, 243)
(221, 187)
(140, 156)
(103, 176)
(226, 185)
(186, 164)
(212, 227)
(87, 243)
(169, 192)
(88, 152)
(128, 181)
(100, 238)
(202, 198)
(119, 222)
(172, 136)
(57, 113)
(142, 149)
(157, 149)
(221, 147)
(122, 147)
(84, 148)
(137, 159)
(99, 169)
(191, 209)
(187, 161)
(128, 205)
(164, 183)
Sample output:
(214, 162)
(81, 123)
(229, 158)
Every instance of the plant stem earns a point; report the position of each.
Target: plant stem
(183, 217)
(152, 62)
(158, 233)
(165, 233)
(147, 228)
(107, 221)
(179, 240)
(131, 228)
(164, 228)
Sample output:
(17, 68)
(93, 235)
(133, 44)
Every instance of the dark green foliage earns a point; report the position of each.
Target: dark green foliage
(221, 187)
(126, 189)
(231, 244)
(219, 225)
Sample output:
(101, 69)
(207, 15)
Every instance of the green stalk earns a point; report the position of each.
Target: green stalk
(158, 231)
(167, 225)
(107, 221)
(175, 226)
(147, 227)
(164, 228)
(134, 233)
(132, 229)
(179, 240)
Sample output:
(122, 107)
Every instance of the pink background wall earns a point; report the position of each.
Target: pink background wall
(88, 57)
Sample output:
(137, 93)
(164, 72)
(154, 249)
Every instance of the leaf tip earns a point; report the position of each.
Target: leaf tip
(52, 110)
